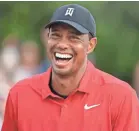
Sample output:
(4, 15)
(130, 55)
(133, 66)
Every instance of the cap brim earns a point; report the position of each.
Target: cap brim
(75, 25)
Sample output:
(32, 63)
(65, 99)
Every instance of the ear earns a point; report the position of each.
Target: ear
(92, 45)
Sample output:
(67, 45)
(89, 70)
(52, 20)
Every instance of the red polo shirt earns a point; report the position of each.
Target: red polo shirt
(101, 103)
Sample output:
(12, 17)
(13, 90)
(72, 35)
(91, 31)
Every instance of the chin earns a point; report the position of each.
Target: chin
(62, 72)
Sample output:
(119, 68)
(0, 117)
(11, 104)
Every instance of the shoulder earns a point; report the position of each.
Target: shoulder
(27, 86)
(114, 86)
(117, 93)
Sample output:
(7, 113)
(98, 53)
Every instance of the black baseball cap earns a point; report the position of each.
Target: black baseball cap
(76, 16)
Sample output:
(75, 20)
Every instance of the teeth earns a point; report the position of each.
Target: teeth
(63, 55)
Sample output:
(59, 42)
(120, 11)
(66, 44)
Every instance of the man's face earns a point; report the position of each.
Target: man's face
(67, 49)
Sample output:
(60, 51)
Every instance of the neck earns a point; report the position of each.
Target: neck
(66, 85)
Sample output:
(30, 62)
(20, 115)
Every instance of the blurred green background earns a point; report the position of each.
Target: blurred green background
(117, 30)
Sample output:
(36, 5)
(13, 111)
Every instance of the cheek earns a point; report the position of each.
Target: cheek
(81, 50)
(81, 54)
(48, 50)
(50, 43)
(49, 47)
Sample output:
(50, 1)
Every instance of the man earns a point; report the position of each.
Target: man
(72, 95)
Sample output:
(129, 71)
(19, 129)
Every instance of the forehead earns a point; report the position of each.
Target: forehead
(62, 26)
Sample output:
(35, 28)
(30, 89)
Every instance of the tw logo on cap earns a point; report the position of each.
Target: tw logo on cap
(69, 11)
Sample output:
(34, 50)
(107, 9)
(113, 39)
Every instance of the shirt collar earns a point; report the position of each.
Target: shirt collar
(45, 87)
(89, 80)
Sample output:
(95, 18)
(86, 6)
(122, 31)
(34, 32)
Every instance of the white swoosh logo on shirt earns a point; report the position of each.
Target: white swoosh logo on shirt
(86, 107)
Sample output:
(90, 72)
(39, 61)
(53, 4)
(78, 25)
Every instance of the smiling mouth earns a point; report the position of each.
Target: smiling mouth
(62, 59)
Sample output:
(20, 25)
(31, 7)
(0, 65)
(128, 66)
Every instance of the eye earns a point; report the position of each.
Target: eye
(74, 37)
(54, 35)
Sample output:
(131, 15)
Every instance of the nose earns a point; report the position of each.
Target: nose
(63, 45)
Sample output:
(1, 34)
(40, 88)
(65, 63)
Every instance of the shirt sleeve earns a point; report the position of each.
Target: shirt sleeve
(127, 118)
(9, 123)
